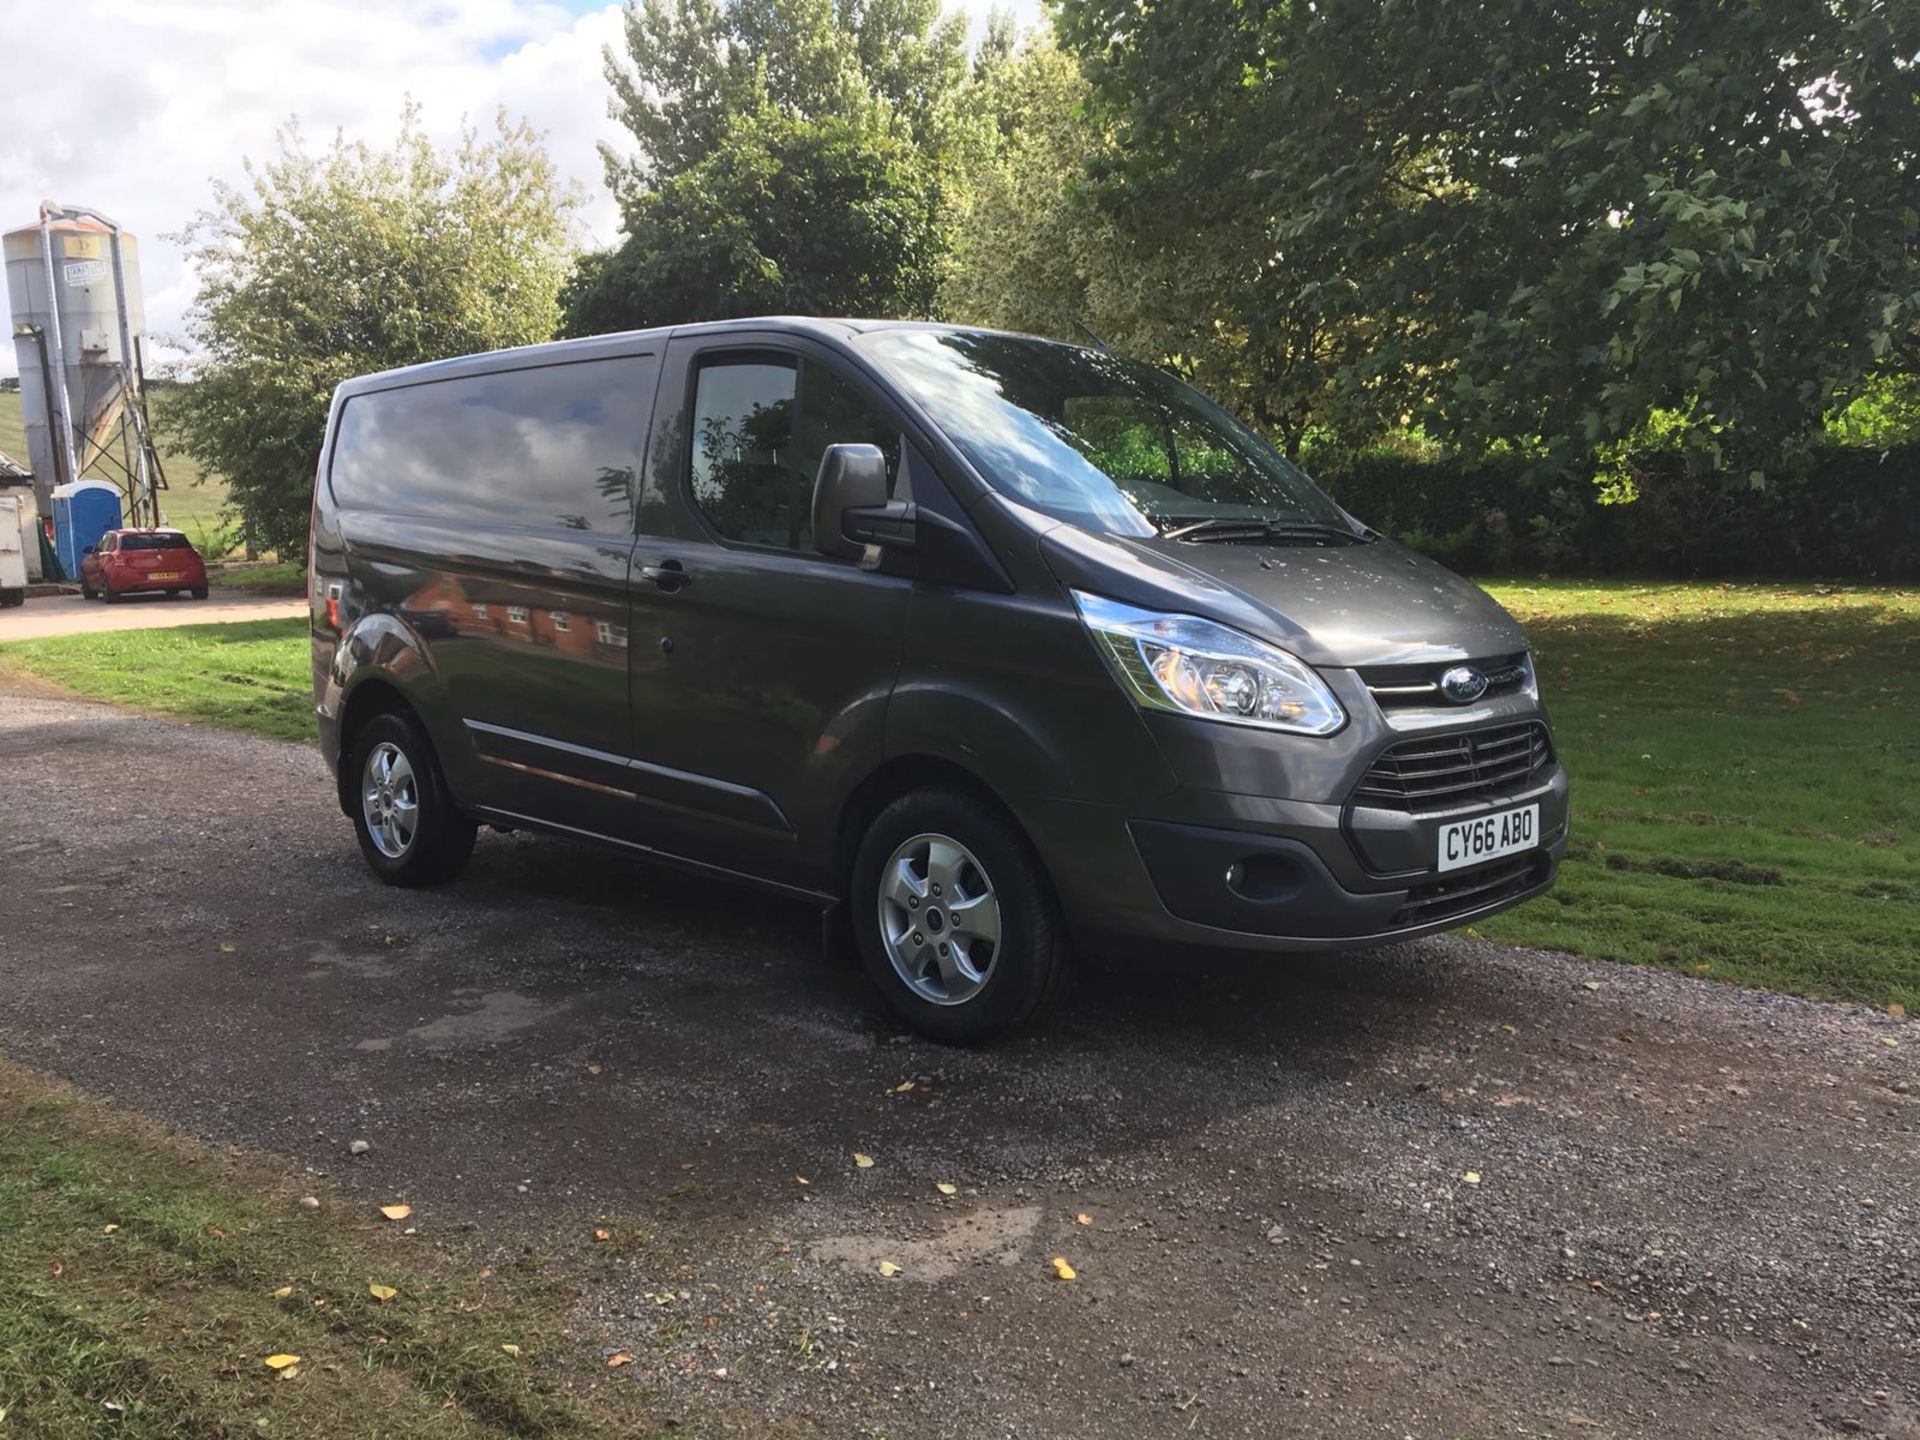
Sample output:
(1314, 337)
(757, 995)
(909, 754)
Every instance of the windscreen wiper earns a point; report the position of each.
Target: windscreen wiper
(1224, 529)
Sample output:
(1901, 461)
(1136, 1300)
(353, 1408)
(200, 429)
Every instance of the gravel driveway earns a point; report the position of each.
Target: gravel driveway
(75, 615)
(1443, 1190)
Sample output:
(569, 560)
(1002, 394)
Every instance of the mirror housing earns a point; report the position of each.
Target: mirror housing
(851, 510)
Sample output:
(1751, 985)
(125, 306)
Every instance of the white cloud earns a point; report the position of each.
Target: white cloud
(135, 107)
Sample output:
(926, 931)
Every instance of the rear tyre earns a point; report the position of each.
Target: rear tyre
(199, 592)
(109, 594)
(409, 829)
(87, 592)
(956, 920)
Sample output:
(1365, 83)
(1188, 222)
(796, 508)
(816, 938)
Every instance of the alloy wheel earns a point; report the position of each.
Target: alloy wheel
(939, 919)
(390, 799)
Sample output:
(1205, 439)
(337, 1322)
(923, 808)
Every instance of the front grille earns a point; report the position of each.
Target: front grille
(1462, 894)
(1400, 687)
(1442, 772)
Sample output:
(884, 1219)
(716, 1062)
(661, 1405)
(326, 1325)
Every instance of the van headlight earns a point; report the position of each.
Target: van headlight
(1198, 667)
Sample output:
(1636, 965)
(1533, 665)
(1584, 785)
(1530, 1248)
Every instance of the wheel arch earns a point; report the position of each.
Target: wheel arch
(373, 694)
(896, 776)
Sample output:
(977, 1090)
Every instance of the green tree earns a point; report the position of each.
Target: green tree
(1558, 217)
(796, 155)
(356, 259)
(1064, 233)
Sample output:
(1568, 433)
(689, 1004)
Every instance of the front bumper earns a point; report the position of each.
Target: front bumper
(1214, 870)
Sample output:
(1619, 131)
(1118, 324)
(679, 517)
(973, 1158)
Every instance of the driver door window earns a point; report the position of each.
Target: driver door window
(760, 426)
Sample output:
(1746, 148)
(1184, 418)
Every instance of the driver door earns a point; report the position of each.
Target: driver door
(760, 669)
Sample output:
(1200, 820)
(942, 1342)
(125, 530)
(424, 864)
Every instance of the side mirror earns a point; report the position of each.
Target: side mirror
(88, 551)
(850, 506)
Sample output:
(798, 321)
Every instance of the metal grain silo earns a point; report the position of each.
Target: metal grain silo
(73, 282)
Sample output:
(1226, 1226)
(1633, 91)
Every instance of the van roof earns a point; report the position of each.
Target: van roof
(623, 342)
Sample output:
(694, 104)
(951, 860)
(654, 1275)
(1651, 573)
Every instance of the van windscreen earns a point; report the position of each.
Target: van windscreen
(1106, 443)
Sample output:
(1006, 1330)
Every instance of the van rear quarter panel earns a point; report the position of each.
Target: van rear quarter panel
(479, 560)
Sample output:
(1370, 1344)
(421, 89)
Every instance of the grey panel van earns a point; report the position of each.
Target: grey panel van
(1003, 651)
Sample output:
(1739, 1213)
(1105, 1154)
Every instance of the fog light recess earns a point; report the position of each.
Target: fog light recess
(1265, 879)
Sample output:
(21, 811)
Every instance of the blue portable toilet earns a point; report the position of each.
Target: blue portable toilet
(83, 511)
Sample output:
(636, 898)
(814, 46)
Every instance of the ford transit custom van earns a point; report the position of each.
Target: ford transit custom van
(1002, 651)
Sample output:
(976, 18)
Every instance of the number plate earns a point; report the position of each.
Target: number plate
(165, 575)
(1507, 832)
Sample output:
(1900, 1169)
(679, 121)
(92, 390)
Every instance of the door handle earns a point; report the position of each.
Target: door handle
(669, 575)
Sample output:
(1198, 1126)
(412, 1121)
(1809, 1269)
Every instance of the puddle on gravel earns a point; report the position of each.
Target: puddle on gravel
(998, 1235)
(331, 958)
(495, 1016)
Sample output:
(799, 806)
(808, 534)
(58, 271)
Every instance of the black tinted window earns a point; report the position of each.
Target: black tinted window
(154, 542)
(760, 427)
(742, 452)
(556, 445)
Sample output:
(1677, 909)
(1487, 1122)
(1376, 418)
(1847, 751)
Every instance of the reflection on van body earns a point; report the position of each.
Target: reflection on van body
(1004, 651)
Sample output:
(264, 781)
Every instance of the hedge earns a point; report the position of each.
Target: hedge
(1852, 513)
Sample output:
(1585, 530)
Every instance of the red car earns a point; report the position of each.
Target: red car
(128, 561)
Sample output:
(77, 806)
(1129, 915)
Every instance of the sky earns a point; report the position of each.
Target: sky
(135, 107)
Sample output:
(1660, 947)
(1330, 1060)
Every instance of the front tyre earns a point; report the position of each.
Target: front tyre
(956, 920)
(408, 826)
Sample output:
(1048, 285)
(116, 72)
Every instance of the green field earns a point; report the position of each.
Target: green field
(1745, 763)
(146, 1281)
(1746, 771)
(253, 676)
(193, 500)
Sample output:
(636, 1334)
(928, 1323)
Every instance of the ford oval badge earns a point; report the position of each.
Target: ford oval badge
(1463, 684)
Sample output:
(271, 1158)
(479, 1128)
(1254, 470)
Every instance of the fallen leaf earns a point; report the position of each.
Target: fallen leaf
(382, 1293)
(1062, 1269)
(946, 1187)
(226, 949)
(511, 1349)
(801, 1180)
(1083, 1218)
(291, 1372)
(618, 1358)
(593, 1069)
(903, 1087)
(285, 1292)
(281, 1362)
(108, 1229)
(1592, 985)
(865, 1162)
(59, 1269)
(1472, 1177)
(601, 1237)
(396, 1212)
(888, 1268)
(1897, 1010)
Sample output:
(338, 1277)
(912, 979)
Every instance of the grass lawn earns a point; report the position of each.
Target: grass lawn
(255, 675)
(193, 499)
(280, 577)
(1745, 761)
(144, 1281)
(1746, 781)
